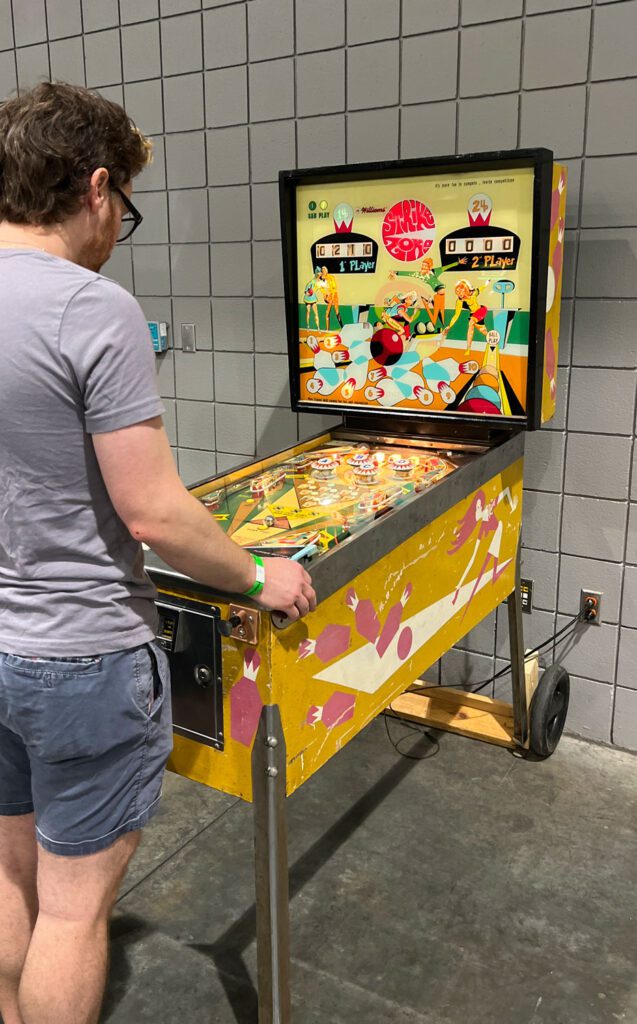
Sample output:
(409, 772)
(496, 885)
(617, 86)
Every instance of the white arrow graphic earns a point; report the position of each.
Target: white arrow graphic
(364, 671)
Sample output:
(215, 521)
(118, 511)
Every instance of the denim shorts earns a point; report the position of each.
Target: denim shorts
(84, 743)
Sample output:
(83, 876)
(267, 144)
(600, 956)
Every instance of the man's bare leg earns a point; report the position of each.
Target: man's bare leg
(19, 902)
(65, 971)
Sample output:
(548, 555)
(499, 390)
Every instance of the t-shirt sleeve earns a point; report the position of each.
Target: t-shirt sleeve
(104, 339)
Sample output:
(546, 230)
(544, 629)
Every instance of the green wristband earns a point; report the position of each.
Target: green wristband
(257, 586)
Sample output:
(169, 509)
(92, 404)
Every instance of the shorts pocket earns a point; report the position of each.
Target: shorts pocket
(152, 679)
(85, 710)
(63, 713)
(52, 703)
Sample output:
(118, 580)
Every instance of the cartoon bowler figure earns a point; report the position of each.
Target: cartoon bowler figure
(468, 299)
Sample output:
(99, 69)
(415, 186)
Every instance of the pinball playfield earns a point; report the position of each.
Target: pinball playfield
(305, 505)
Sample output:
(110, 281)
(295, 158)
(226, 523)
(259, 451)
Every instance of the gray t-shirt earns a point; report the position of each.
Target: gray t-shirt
(75, 359)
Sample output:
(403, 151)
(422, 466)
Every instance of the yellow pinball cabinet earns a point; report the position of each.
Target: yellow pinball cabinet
(422, 306)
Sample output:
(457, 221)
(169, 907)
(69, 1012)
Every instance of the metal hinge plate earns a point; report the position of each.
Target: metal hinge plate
(248, 629)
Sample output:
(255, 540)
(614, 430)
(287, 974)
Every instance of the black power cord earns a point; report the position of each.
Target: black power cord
(535, 650)
(560, 636)
(411, 727)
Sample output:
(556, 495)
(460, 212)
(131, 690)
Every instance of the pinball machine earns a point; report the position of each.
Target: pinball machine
(422, 307)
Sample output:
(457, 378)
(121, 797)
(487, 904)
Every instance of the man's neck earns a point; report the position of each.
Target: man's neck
(25, 236)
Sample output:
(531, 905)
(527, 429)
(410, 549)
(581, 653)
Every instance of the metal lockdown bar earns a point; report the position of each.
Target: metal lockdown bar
(271, 869)
(518, 680)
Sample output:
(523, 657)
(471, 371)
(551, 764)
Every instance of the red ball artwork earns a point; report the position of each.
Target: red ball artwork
(386, 346)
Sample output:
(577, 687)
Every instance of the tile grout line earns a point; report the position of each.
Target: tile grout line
(401, 43)
(458, 74)
(166, 190)
(567, 433)
(623, 577)
(295, 79)
(521, 79)
(129, 244)
(48, 41)
(251, 182)
(496, 625)
(15, 48)
(204, 131)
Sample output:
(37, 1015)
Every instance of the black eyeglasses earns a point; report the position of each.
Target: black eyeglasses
(131, 220)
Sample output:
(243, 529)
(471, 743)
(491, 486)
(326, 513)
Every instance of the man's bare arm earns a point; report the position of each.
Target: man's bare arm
(143, 484)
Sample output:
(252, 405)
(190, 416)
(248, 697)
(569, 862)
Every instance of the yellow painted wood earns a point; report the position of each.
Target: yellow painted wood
(552, 326)
(469, 715)
(442, 700)
(228, 770)
(531, 677)
(303, 685)
(461, 698)
(328, 695)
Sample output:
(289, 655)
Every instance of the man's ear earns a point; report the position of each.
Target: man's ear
(97, 193)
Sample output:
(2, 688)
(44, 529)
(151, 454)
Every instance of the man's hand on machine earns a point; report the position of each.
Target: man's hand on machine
(287, 588)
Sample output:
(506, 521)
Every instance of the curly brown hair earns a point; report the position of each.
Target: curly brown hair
(52, 138)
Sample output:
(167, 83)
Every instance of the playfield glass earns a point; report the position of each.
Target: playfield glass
(303, 504)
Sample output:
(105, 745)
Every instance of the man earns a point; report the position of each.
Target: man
(85, 725)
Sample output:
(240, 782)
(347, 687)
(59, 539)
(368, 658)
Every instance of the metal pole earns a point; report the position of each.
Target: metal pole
(271, 869)
(518, 678)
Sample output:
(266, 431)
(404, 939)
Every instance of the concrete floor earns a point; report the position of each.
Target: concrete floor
(469, 888)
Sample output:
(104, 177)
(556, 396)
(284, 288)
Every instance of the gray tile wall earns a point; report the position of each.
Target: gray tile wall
(233, 91)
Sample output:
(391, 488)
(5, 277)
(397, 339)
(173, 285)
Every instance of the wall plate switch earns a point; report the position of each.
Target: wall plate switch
(188, 338)
(526, 595)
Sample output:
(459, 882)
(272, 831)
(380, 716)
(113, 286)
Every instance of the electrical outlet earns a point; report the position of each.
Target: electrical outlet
(590, 606)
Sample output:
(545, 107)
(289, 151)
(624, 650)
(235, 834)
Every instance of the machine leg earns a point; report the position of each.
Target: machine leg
(518, 678)
(271, 869)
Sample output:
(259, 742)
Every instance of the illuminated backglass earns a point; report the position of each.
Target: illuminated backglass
(419, 287)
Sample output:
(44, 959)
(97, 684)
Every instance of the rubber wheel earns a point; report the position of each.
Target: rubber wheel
(549, 706)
